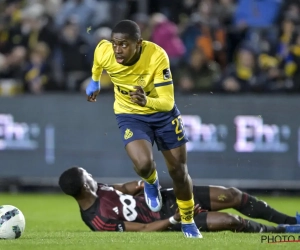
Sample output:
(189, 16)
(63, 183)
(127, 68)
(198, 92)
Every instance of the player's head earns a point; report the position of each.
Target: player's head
(76, 182)
(126, 40)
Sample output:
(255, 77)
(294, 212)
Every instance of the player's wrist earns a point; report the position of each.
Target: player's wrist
(148, 102)
(173, 221)
(95, 84)
(92, 87)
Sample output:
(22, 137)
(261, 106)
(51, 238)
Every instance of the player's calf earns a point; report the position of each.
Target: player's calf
(184, 198)
(218, 221)
(255, 208)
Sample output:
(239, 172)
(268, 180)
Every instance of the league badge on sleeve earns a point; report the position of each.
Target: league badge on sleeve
(166, 74)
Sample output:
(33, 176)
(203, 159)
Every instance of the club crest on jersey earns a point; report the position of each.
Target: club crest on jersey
(141, 82)
(166, 74)
(128, 134)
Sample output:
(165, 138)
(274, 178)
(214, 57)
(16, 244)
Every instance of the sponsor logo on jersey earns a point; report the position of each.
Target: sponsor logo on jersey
(116, 210)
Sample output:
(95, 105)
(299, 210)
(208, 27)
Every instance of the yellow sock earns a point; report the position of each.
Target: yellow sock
(152, 178)
(186, 210)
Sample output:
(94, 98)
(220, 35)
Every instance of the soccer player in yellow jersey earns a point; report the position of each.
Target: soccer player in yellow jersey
(146, 112)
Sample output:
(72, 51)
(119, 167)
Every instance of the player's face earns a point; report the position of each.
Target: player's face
(124, 48)
(89, 181)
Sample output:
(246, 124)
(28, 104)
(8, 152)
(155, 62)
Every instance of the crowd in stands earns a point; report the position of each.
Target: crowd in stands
(228, 46)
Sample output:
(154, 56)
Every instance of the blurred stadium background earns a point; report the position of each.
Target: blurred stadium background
(236, 70)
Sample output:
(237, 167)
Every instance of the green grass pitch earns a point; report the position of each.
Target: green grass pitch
(53, 222)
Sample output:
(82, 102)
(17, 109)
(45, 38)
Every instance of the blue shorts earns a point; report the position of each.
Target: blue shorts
(165, 128)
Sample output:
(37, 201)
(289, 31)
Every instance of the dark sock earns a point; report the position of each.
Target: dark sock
(254, 208)
(249, 226)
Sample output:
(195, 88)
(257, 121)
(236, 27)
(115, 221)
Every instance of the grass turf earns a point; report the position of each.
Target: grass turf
(53, 222)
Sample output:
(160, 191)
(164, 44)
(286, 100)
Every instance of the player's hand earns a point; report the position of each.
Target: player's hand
(138, 96)
(140, 186)
(92, 97)
(197, 210)
(92, 90)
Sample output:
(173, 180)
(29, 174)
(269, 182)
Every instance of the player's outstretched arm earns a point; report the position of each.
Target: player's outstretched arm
(160, 225)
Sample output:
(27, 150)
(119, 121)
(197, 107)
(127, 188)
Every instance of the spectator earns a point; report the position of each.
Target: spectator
(292, 66)
(212, 37)
(205, 32)
(189, 36)
(83, 11)
(143, 22)
(11, 68)
(225, 10)
(287, 36)
(165, 34)
(73, 51)
(241, 76)
(289, 8)
(271, 74)
(52, 7)
(37, 73)
(13, 64)
(200, 74)
(9, 22)
(35, 27)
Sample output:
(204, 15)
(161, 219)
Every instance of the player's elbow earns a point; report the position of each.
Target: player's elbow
(144, 228)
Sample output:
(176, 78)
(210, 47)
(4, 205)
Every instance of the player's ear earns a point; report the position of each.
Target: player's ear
(85, 187)
(139, 42)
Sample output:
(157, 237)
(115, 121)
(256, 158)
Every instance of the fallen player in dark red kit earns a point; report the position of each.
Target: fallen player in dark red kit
(121, 207)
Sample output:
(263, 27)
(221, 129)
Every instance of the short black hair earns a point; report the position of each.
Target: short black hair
(71, 181)
(128, 27)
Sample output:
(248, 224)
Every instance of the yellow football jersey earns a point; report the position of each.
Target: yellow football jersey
(151, 72)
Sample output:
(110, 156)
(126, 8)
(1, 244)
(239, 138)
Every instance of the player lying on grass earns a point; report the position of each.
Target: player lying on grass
(122, 207)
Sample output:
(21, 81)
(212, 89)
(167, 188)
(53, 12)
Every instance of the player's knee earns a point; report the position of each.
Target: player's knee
(144, 167)
(233, 221)
(179, 172)
(233, 195)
